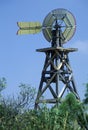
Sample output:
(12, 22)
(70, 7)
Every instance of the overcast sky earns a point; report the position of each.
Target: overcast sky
(20, 63)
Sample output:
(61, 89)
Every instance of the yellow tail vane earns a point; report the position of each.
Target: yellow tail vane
(29, 27)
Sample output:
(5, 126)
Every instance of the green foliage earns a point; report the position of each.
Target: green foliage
(63, 117)
(18, 113)
(75, 111)
(2, 84)
(85, 104)
(26, 97)
(12, 108)
(86, 95)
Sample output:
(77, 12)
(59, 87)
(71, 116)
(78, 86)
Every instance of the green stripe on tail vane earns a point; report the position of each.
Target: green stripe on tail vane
(29, 27)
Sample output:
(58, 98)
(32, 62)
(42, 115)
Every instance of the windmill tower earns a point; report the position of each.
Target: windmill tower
(57, 76)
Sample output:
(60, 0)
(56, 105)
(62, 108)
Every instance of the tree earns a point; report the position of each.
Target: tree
(67, 116)
(11, 107)
(75, 110)
(18, 113)
(85, 101)
(2, 84)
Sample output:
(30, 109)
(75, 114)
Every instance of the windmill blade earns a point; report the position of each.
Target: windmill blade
(29, 27)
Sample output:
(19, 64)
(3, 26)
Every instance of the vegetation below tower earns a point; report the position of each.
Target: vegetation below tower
(18, 113)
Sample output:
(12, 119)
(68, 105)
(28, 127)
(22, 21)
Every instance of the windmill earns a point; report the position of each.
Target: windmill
(57, 78)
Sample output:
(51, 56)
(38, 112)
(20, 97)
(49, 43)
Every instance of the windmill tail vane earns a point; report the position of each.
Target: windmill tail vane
(29, 27)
